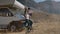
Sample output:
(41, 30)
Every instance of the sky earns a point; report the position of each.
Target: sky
(57, 0)
(39, 0)
(44, 0)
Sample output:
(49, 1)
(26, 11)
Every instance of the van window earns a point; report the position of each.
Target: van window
(5, 12)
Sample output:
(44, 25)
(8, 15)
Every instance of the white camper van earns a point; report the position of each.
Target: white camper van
(10, 10)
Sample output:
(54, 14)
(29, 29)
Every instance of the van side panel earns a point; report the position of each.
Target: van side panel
(7, 20)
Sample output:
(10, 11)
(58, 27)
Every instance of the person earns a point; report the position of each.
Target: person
(28, 23)
(30, 11)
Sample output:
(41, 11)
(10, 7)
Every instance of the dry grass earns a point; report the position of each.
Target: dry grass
(46, 24)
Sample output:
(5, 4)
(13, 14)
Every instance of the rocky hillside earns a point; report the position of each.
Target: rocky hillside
(50, 7)
(46, 6)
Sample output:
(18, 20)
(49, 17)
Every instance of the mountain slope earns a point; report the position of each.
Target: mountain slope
(52, 7)
(46, 6)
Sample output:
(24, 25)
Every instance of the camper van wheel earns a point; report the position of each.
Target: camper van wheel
(13, 28)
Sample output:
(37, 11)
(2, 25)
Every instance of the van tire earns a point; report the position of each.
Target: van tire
(13, 28)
